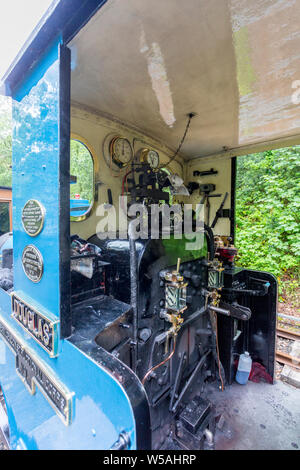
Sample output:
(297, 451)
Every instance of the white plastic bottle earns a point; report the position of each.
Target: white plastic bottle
(244, 368)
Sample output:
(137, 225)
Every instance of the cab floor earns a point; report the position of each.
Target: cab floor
(257, 416)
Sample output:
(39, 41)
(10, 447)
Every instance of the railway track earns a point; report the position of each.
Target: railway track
(283, 357)
(294, 335)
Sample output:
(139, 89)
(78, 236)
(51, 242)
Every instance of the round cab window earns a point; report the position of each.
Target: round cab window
(81, 181)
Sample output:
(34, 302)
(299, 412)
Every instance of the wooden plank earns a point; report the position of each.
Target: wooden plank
(288, 334)
(287, 359)
(291, 376)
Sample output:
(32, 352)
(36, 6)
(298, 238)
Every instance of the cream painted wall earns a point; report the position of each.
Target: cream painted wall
(223, 184)
(92, 128)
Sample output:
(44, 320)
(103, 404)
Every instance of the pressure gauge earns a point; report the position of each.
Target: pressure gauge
(149, 156)
(153, 159)
(121, 151)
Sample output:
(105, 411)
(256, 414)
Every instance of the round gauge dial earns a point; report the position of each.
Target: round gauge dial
(121, 151)
(153, 158)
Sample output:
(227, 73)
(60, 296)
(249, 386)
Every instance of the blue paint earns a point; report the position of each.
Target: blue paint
(39, 71)
(79, 203)
(35, 176)
(101, 407)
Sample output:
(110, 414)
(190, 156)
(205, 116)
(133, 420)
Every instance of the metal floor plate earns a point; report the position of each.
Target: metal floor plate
(258, 416)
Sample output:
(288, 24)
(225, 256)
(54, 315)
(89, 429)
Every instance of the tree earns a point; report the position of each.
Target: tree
(5, 142)
(267, 211)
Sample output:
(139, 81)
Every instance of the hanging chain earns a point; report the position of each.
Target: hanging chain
(190, 116)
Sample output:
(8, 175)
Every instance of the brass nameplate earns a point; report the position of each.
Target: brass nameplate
(33, 263)
(41, 328)
(33, 372)
(33, 216)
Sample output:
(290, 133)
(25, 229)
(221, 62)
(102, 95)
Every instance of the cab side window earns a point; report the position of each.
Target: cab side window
(81, 181)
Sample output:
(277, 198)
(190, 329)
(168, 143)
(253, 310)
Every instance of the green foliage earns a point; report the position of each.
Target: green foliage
(83, 168)
(267, 211)
(81, 160)
(4, 217)
(5, 142)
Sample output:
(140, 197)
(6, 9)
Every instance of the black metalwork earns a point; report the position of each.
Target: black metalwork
(64, 189)
(232, 196)
(92, 332)
(256, 334)
(205, 173)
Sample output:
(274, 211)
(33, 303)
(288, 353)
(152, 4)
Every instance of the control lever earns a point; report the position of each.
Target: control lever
(206, 189)
(237, 311)
(232, 310)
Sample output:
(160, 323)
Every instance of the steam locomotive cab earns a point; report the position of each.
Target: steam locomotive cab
(122, 306)
(177, 316)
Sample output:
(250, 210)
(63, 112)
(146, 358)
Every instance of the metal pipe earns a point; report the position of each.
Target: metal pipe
(220, 310)
(133, 294)
(162, 362)
(190, 380)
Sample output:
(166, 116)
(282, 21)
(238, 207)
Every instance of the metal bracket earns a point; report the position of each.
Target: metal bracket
(205, 173)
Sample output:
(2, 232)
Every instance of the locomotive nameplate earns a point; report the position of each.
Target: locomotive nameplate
(32, 262)
(33, 216)
(41, 328)
(33, 372)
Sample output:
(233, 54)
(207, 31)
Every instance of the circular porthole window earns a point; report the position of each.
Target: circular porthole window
(81, 181)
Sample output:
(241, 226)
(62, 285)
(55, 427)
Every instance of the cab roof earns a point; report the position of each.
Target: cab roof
(234, 63)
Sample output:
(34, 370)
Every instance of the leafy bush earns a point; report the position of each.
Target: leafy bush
(267, 212)
(81, 166)
(5, 142)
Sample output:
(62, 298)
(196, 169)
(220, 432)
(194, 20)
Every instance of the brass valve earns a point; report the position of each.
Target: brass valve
(175, 319)
(175, 290)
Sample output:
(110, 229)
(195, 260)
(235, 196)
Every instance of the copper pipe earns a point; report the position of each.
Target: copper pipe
(160, 364)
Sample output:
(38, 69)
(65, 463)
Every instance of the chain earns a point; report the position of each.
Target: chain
(190, 116)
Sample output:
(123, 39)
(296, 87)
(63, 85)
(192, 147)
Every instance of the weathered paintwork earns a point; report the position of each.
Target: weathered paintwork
(218, 59)
(95, 423)
(33, 423)
(235, 63)
(36, 176)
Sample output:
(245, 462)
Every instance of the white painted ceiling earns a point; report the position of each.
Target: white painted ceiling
(233, 62)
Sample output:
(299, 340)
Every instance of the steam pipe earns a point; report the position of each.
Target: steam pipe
(133, 294)
(220, 310)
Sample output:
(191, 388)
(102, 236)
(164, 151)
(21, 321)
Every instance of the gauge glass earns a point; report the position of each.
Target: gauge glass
(153, 158)
(122, 151)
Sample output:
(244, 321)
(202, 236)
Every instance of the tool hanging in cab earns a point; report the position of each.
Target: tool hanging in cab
(220, 212)
(205, 173)
(206, 189)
